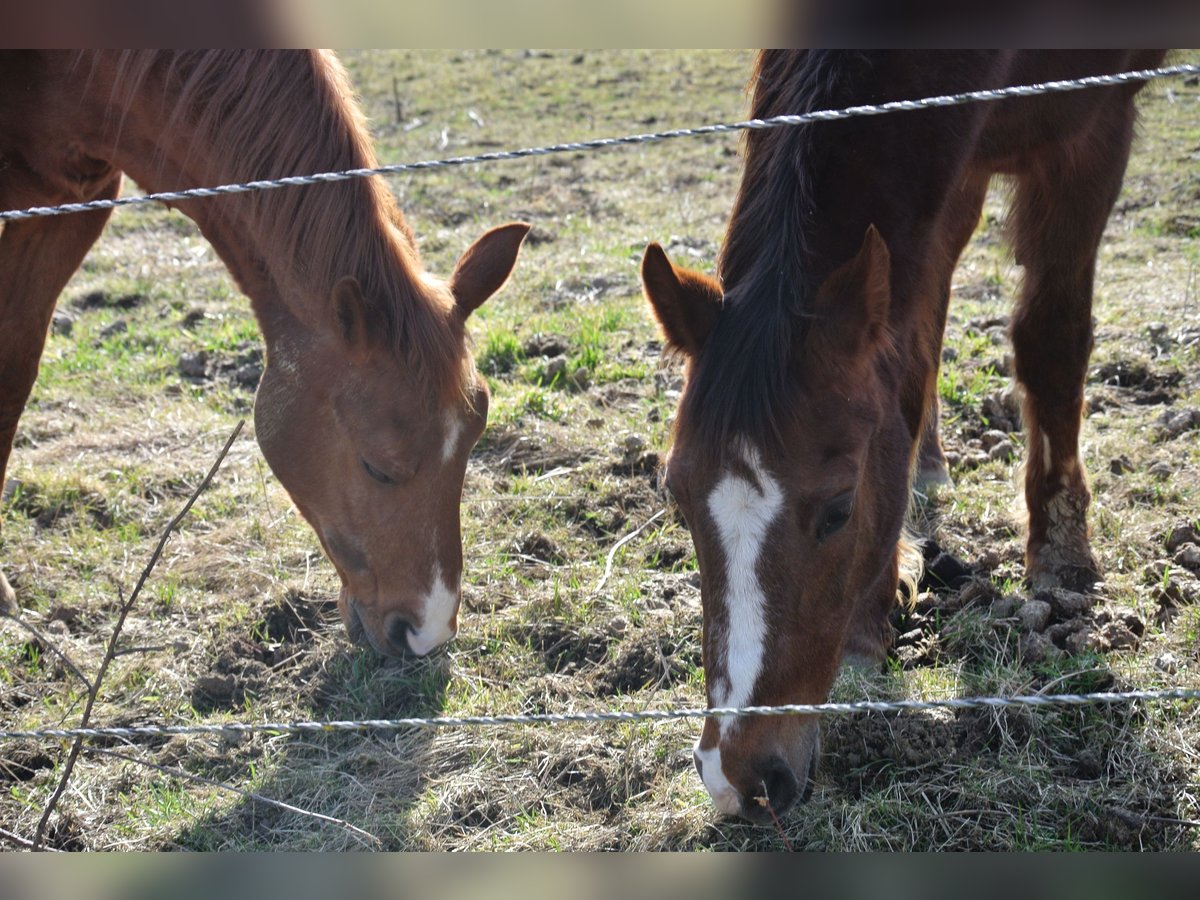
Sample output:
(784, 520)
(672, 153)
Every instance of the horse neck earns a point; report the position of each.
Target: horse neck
(190, 120)
(809, 194)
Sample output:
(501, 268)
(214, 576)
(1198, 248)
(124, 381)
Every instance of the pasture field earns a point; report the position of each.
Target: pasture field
(157, 356)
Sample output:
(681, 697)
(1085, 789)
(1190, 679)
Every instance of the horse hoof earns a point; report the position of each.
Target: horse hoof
(1078, 578)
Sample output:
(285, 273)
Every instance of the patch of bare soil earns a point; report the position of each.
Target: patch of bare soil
(654, 658)
(241, 670)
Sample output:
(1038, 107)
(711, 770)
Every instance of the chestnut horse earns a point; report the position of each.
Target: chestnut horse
(369, 403)
(812, 362)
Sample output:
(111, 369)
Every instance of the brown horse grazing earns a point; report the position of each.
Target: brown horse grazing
(369, 403)
(811, 363)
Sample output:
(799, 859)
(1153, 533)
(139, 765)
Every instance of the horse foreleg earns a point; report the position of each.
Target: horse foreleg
(37, 259)
(1061, 207)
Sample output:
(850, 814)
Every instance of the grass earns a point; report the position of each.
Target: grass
(116, 434)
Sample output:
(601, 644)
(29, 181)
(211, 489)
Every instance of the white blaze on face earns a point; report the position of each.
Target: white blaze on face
(724, 795)
(743, 512)
(438, 608)
(454, 431)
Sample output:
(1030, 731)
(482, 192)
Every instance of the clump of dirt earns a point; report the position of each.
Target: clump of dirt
(653, 658)
(241, 670)
(563, 646)
(48, 511)
(597, 776)
(546, 345)
(857, 751)
(538, 547)
(104, 300)
(241, 368)
(471, 808)
(22, 762)
(66, 833)
(295, 619)
(1149, 387)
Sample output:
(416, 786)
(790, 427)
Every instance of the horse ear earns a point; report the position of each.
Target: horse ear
(853, 304)
(350, 313)
(686, 303)
(485, 266)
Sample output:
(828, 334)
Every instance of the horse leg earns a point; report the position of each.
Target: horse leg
(1061, 206)
(870, 633)
(958, 222)
(37, 259)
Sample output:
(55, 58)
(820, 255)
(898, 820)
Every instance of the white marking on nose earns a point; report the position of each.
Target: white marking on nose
(454, 430)
(743, 513)
(438, 607)
(724, 795)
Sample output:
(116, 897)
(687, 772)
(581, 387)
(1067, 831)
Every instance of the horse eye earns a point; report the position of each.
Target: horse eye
(376, 474)
(836, 515)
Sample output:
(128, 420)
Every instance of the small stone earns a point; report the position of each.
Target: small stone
(194, 365)
(1174, 422)
(1161, 470)
(618, 625)
(1059, 633)
(62, 323)
(1036, 648)
(1167, 662)
(1167, 592)
(248, 375)
(1188, 557)
(546, 345)
(1160, 337)
(953, 459)
(1156, 572)
(118, 326)
(949, 354)
(1034, 615)
(58, 628)
(978, 592)
(193, 317)
(1006, 606)
(1081, 641)
(1003, 451)
(1180, 535)
(1130, 619)
(581, 378)
(632, 445)
(1121, 465)
(1176, 592)
(1066, 604)
(556, 368)
(974, 459)
(992, 437)
(1118, 636)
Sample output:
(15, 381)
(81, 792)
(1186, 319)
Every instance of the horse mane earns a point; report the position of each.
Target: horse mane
(267, 114)
(739, 385)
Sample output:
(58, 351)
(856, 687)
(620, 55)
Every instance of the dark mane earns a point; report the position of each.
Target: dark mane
(739, 382)
(276, 113)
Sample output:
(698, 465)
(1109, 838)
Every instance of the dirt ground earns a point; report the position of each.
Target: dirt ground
(155, 356)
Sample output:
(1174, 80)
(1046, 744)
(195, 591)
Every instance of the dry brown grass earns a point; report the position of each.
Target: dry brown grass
(238, 609)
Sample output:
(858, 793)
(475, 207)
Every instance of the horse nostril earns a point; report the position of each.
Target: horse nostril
(397, 629)
(779, 789)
